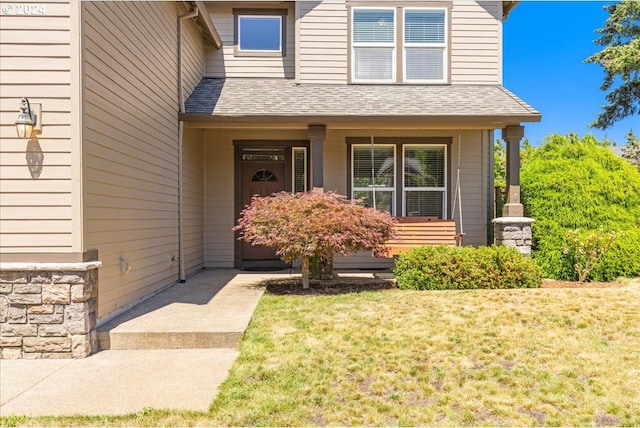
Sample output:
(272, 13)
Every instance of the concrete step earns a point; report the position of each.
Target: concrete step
(167, 340)
(212, 309)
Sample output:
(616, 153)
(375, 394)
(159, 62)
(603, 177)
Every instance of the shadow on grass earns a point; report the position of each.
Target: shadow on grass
(339, 285)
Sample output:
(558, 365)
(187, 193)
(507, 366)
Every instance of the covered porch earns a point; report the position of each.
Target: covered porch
(373, 142)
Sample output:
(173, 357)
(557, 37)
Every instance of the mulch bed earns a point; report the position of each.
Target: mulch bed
(345, 285)
(335, 286)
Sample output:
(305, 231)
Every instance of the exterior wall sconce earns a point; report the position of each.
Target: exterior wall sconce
(29, 120)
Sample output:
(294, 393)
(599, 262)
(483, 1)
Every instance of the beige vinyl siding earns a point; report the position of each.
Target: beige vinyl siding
(193, 200)
(219, 200)
(323, 42)
(37, 186)
(475, 42)
(131, 143)
(223, 63)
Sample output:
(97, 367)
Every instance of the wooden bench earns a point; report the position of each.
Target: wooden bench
(412, 232)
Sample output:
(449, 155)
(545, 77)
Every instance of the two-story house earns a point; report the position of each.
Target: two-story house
(157, 121)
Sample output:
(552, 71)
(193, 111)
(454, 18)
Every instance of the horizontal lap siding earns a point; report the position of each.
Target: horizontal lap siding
(219, 199)
(193, 158)
(476, 39)
(36, 186)
(323, 42)
(193, 200)
(131, 143)
(223, 62)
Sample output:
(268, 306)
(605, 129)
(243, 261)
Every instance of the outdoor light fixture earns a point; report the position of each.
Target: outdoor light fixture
(27, 121)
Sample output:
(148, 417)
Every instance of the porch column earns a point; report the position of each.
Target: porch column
(512, 136)
(317, 135)
(513, 229)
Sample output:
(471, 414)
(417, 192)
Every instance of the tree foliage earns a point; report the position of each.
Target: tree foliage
(571, 183)
(620, 59)
(313, 226)
(631, 151)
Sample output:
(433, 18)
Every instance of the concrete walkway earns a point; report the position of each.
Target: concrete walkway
(172, 351)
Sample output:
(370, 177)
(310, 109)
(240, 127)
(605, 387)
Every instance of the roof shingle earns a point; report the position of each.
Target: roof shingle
(282, 97)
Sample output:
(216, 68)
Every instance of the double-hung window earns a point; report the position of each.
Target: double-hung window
(402, 179)
(424, 45)
(411, 40)
(424, 176)
(373, 177)
(374, 44)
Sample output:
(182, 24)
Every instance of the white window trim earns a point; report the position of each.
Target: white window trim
(443, 46)
(393, 189)
(293, 167)
(393, 45)
(240, 16)
(443, 189)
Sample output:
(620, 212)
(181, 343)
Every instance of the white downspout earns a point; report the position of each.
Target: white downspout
(181, 268)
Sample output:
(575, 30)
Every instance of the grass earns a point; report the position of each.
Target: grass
(501, 357)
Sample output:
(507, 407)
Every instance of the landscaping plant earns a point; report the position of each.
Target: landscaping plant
(573, 183)
(442, 267)
(312, 227)
(585, 250)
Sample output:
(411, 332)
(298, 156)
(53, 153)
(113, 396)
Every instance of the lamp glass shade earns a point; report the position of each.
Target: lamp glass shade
(24, 125)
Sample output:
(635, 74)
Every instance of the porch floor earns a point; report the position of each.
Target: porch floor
(212, 309)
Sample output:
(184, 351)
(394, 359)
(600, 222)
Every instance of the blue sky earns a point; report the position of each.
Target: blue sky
(545, 45)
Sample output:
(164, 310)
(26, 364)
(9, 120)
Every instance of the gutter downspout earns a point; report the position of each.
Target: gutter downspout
(182, 275)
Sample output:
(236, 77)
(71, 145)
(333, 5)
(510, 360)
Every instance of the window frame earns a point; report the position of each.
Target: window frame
(399, 206)
(355, 45)
(399, 49)
(239, 13)
(443, 189)
(374, 188)
(305, 171)
(444, 45)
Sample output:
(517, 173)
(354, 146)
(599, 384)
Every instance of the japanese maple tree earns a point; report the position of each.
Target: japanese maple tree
(312, 227)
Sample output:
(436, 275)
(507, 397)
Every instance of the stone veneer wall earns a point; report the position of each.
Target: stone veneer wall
(513, 232)
(48, 310)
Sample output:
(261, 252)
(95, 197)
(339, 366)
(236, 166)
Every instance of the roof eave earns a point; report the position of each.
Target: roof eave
(506, 119)
(507, 7)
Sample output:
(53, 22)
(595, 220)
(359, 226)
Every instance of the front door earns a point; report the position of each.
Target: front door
(263, 179)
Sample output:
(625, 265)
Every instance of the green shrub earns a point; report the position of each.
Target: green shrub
(570, 183)
(446, 268)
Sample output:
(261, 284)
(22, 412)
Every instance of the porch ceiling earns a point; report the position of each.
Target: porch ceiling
(284, 101)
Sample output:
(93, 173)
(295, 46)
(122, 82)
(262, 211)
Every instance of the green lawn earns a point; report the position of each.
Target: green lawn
(392, 357)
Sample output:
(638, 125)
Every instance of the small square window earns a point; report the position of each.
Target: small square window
(259, 32)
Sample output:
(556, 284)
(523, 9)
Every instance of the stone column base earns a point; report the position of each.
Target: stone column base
(513, 232)
(48, 310)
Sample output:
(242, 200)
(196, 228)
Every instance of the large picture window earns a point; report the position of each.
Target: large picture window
(419, 34)
(403, 179)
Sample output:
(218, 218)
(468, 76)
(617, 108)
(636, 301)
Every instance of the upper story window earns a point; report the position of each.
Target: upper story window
(393, 45)
(374, 44)
(259, 32)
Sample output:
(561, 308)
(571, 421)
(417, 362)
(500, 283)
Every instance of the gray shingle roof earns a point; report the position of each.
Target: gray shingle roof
(229, 98)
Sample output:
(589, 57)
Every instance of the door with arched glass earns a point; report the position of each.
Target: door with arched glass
(263, 179)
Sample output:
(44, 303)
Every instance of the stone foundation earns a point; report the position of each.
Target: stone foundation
(513, 232)
(48, 310)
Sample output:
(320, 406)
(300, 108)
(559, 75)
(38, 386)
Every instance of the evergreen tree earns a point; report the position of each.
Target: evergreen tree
(631, 151)
(620, 59)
